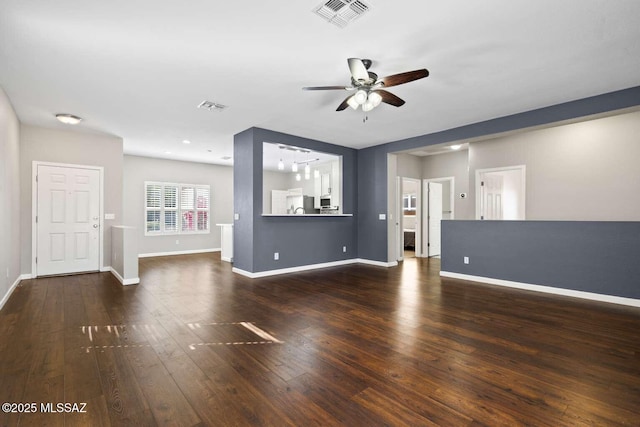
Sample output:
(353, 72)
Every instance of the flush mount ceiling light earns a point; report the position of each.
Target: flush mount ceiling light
(68, 119)
(456, 147)
(186, 141)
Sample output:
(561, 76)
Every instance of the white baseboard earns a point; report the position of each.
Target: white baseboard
(292, 269)
(6, 297)
(105, 269)
(226, 258)
(195, 251)
(377, 263)
(125, 282)
(312, 267)
(546, 289)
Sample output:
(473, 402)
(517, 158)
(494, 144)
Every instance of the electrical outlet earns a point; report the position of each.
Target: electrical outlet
(236, 216)
(276, 256)
(466, 260)
(344, 249)
(382, 217)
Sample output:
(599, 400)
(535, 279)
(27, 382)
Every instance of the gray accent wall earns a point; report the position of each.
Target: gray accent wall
(299, 240)
(9, 196)
(247, 157)
(70, 147)
(588, 256)
(138, 169)
(372, 201)
(372, 162)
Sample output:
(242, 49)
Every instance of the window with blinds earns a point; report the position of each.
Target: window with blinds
(176, 208)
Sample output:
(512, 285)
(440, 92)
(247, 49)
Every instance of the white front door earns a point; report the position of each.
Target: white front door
(491, 188)
(68, 220)
(434, 217)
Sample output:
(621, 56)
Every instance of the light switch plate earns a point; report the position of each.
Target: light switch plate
(109, 216)
(382, 217)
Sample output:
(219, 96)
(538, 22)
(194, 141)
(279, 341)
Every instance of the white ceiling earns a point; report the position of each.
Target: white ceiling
(138, 69)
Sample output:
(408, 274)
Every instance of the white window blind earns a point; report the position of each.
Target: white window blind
(177, 208)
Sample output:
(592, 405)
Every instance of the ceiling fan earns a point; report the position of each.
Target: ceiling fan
(369, 89)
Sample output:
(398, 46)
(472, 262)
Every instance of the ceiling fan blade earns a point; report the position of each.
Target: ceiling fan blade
(398, 79)
(327, 88)
(358, 70)
(344, 104)
(389, 98)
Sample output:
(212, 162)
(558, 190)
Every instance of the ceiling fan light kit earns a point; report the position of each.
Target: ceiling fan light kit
(369, 88)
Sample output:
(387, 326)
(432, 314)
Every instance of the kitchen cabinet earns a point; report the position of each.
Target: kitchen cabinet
(328, 183)
(325, 184)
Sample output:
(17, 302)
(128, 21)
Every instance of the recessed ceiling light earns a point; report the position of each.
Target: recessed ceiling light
(186, 141)
(456, 147)
(226, 158)
(68, 119)
(167, 152)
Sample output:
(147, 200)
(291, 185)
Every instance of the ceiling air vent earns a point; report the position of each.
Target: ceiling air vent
(341, 12)
(212, 106)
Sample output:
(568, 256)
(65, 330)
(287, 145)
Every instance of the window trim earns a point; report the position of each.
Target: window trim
(177, 209)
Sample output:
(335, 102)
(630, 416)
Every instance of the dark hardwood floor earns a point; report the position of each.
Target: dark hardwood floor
(349, 346)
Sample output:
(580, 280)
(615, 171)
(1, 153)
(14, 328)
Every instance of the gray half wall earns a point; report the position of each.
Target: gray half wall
(372, 161)
(300, 241)
(593, 256)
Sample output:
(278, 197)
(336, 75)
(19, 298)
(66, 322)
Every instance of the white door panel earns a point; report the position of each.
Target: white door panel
(435, 218)
(68, 220)
(492, 187)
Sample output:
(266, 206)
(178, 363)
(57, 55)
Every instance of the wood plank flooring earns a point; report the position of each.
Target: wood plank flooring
(347, 346)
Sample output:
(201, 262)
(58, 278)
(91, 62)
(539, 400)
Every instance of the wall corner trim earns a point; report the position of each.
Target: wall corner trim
(124, 282)
(545, 289)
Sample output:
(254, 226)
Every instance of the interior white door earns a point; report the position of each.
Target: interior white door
(68, 220)
(434, 218)
(491, 186)
(399, 220)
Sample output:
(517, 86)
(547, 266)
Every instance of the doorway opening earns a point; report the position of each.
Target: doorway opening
(501, 193)
(409, 214)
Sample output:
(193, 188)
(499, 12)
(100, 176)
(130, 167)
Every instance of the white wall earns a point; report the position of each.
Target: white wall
(137, 170)
(72, 147)
(455, 164)
(586, 171)
(9, 197)
(409, 166)
(272, 180)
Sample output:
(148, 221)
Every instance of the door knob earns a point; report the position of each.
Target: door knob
(95, 225)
